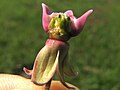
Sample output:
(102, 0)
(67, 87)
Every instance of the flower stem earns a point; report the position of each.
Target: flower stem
(47, 86)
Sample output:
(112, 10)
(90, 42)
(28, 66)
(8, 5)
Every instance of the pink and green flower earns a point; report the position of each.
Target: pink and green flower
(53, 57)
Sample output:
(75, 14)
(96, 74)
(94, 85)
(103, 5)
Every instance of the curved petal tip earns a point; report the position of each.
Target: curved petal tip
(28, 72)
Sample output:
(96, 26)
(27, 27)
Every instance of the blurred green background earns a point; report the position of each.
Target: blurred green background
(95, 53)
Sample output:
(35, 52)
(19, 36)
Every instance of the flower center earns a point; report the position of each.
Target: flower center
(59, 27)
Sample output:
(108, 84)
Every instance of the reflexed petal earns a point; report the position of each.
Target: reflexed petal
(69, 70)
(60, 69)
(45, 66)
(61, 77)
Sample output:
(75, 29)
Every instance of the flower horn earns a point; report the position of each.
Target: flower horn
(46, 17)
(78, 24)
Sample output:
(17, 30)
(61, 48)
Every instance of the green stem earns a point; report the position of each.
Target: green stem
(47, 86)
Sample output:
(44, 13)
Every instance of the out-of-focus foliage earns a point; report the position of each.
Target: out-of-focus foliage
(95, 53)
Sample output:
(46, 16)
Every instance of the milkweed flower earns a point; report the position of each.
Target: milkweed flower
(53, 57)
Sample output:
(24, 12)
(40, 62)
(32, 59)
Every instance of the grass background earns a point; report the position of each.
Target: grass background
(95, 53)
